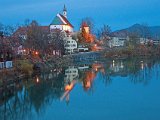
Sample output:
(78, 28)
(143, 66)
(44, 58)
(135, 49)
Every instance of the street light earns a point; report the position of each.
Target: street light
(36, 53)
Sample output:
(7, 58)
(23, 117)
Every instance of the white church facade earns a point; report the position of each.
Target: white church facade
(61, 22)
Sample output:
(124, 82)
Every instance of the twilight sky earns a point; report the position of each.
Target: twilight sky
(116, 13)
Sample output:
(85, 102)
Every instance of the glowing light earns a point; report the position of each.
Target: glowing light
(88, 84)
(142, 65)
(36, 53)
(37, 80)
(69, 87)
(113, 63)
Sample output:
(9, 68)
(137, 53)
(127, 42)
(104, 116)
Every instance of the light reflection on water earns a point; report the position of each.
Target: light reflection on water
(113, 89)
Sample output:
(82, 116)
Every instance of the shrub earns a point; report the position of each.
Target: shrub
(24, 66)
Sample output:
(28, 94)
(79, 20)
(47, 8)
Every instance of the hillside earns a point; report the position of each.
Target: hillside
(152, 32)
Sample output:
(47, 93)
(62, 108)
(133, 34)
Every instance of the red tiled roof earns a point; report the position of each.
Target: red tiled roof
(21, 30)
(24, 30)
(45, 28)
(65, 19)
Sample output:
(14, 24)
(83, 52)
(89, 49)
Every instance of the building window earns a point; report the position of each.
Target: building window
(66, 45)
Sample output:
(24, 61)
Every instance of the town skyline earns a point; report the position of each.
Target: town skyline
(114, 13)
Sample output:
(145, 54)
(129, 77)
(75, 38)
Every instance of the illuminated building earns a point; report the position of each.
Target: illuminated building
(70, 45)
(61, 22)
(85, 27)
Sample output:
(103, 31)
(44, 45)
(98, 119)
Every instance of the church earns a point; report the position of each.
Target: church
(61, 22)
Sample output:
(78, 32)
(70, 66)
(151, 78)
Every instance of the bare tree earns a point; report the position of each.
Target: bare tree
(1, 27)
(104, 34)
(57, 43)
(37, 38)
(134, 38)
(27, 22)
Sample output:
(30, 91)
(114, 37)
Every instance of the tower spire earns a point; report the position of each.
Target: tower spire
(65, 11)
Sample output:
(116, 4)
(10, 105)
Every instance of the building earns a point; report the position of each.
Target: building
(5, 53)
(156, 42)
(21, 33)
(70, 45)
(61, 22)
(83, 48)
(143, 40)
(85, 27)
(116, 42)
(5, 60)
(86, 34)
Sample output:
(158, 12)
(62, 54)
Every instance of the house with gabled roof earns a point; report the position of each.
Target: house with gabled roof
(61, 22)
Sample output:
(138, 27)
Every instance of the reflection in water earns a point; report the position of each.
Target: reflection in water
(37, 79)
(32, 96)
(71, 73)
(68, 88)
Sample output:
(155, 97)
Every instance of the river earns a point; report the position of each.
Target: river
(109, 89)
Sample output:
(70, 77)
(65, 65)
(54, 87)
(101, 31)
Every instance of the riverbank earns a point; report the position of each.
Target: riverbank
(25, 67)
(129, 52)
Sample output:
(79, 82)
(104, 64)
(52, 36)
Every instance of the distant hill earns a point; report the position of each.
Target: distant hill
(152, 32)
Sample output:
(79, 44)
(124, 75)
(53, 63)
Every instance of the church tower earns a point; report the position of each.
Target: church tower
(65, 11)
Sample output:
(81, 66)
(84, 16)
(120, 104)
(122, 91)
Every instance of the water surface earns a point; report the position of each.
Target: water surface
(113, 89)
